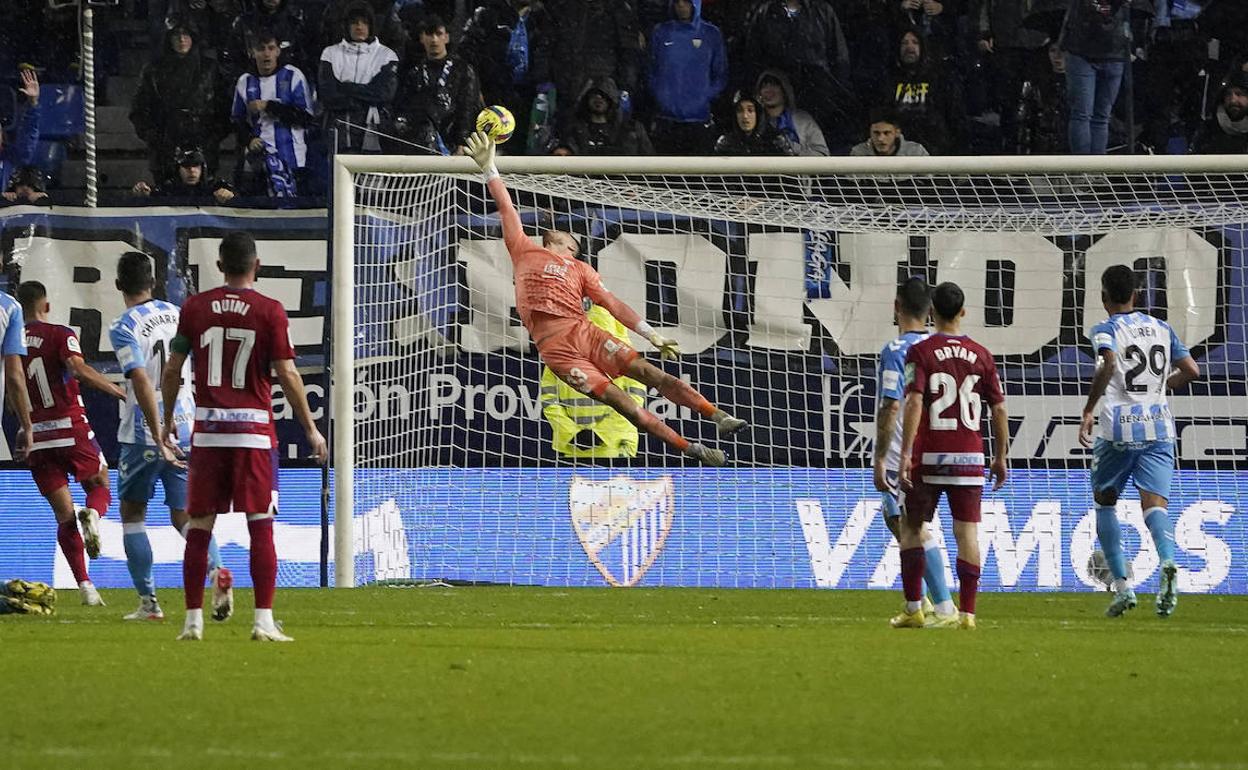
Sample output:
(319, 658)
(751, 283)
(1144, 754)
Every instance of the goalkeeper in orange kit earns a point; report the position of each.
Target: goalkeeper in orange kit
(550, 283)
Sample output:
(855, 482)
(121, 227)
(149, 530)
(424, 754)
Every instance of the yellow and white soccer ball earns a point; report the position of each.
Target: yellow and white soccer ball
(497, 121)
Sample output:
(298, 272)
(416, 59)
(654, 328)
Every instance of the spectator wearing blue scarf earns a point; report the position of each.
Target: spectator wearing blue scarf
(775, 94)
(508, 42)
(688, 69)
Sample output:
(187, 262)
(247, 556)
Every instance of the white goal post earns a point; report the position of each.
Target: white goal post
(411, 206)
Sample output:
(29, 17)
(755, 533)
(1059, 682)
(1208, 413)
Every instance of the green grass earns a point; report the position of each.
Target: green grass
(589, 678)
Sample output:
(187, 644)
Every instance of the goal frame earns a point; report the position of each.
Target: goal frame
(342, 209)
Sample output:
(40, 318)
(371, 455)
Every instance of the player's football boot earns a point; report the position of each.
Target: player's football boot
(936, 620)
(966, 621)
(1168, 592)
(191, 634)
(1123, 601)
(926, 605)
(914, 619)
(726, 424)
(90, 596)
(148, 609)
(222, 593)
(90, 521)
(260, 633)
(706, 455)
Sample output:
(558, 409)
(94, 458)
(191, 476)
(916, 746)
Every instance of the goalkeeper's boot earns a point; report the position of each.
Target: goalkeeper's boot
(149, 609)
(90, 521)
(1123, 600)
(966, 621)
(222, 593)
(706, 455)
(726, 424)
(269, 633)
(906, 619)
(1168, 592)
(90, 596)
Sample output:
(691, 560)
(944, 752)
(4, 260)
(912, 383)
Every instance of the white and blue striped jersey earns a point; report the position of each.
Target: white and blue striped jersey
(891, 383)
(1134, 407)
(286, 86)
(141, 338)
(12, 333)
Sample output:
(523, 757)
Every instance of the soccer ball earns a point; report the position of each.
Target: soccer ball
(1098, 570)
(497, 122)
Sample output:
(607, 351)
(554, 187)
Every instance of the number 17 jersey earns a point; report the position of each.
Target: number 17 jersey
(1134, 408)
(233, 337)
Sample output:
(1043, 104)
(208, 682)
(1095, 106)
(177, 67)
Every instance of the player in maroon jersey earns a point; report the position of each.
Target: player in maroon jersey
(948, 377)
(62, 443)
(235, 336)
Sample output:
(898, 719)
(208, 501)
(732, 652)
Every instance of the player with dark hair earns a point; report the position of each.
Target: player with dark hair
(141, 338)
(237, 336)
(912, 307)
(550, 284)
(62, 443)
(948, 377)
(1139, 358)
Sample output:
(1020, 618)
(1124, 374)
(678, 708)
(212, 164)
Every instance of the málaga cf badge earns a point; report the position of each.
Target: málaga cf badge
(622, 523)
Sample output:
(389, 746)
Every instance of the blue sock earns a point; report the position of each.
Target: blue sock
(139, 557)
(214, 554)
(934, 573)
(1109, 533)
(1159, 523)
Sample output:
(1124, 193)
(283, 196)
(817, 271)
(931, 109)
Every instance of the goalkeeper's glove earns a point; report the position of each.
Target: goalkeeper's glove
(481, 148)
(668, 348)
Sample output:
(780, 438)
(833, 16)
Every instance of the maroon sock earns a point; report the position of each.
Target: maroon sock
(99, 498)
(680, 392)
(70, 538)
(913, 562)
(263, 561)
(195, 567)
(968, 579)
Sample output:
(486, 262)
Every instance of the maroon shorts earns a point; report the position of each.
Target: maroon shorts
(53, 467)
(582, 355)
(232, 480)
(919, 504)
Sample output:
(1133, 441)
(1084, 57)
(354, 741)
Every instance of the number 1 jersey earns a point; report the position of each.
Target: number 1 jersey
(1134, 408)
(234, 336)
(955, 376)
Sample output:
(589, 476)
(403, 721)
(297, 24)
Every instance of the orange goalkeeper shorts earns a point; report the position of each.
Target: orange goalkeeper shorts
(581, 354)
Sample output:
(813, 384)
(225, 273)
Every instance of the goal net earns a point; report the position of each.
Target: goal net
(461, 460)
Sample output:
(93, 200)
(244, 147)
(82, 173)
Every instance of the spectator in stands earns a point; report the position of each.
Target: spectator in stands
(383, 21)
(271, 112)
(868, 30)
(212, 18)
(439, 96)
(509, 42)
(926, 95)
(781, 113)
(27, 188)
(594, 39)
(190, 183)
(751, 134)
(1015, 54)
(1227, 131)
(285, 20)
(1041, 128)
(885, 138)
(21, 151)
(803, 38)
(688, 69)
(357, 80)
(936, 21)
(1171, 79)
(1096, 39)
(180, 101)
(599, 128)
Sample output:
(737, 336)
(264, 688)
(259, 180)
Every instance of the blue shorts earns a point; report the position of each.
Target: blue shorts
(1150, 465)
(138, 469)
(888, 500)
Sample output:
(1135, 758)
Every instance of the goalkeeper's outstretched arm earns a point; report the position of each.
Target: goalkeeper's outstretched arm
(481, 148)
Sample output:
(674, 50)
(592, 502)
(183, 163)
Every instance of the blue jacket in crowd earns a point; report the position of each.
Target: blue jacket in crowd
(21, 151)
(688, 67)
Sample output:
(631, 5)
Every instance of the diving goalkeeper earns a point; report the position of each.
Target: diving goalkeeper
(550, 282)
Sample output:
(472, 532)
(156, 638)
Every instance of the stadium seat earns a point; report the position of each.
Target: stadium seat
(62, 114)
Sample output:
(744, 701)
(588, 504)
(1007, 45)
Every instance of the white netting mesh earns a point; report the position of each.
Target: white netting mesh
(780, 290)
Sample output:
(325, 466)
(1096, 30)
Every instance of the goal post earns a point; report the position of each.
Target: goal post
(776, 275)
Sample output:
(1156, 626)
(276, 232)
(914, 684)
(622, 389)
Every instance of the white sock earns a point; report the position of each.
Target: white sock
(185, 528)
(84, 584)
(913, 606)
(132, 527)
(264, 618)
(195, 618)
(1119, 585)
(946, 607)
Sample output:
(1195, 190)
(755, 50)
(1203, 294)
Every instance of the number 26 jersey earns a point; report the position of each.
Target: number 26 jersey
(1134, 408)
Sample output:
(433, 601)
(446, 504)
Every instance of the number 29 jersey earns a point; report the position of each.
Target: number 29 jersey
(233, 337)
(1134, 408)
(955, 376)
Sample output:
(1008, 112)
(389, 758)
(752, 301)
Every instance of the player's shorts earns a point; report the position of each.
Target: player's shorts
(139, 467)
(1149, 464)
(890, 501)
(232, 480)
(919, 504)
(53, 467)
(582, 355)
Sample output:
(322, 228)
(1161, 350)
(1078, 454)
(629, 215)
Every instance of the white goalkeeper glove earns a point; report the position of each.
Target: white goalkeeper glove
(668, 349)
(481, 148)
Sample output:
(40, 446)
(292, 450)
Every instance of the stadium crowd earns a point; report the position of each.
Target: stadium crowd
(667, 77)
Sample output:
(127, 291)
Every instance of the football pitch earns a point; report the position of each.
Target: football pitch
(600, 678)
